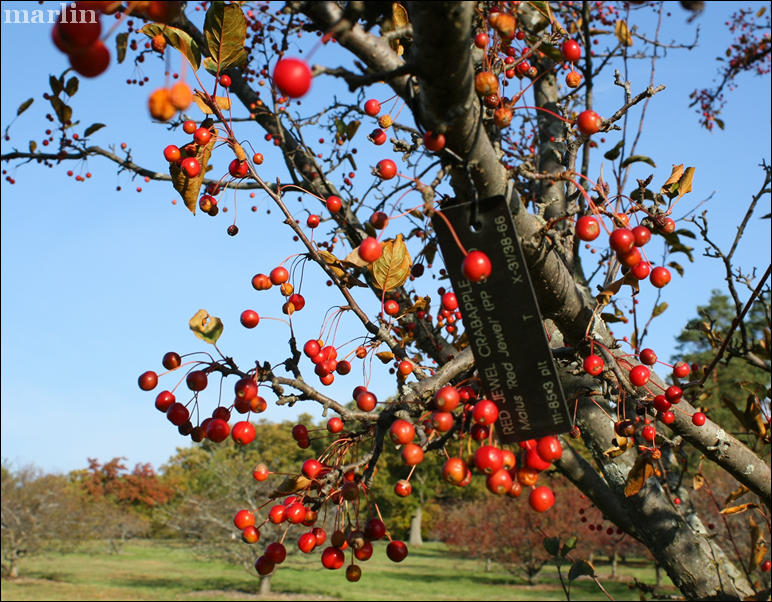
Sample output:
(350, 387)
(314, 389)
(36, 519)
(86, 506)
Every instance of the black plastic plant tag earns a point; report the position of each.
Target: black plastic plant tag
(503, 323)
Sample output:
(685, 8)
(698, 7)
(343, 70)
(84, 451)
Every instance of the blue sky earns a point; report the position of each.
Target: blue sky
(97, 285)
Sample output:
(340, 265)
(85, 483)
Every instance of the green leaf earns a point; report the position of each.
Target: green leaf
(72, 86)
(659, 309)
(679, 248)
(647, 194)
(206, 327)
(93, 128)
(638, 158)
(340, 128)
(553, 52)
(579, 569)
(24, 106)
(608, 317)
(121, 44)
(32, 146)
(225, 28)
(613, 153)
(569, 545)
(176, 38)
(56, 85)
(719, 122)
(677, 267)
(685, 232)
(63, 111)
(552, 545)
(210, 65)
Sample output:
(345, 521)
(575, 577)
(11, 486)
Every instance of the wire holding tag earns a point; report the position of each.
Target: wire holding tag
(474, 209)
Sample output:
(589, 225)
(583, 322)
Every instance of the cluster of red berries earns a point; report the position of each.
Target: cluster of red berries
(187, 161)
(302, 509)
(449, 314)
(215, 428)
(662, 403)
(279, 276)
(627, 244)
(76, 34)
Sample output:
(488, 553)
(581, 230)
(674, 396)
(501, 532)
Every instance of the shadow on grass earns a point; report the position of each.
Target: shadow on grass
(60, 577)
(476, 578)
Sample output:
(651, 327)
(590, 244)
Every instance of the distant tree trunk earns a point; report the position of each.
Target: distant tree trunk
(591, 557)
(265, 585)
(488, 564)
(614, 559)
(658, 572)
(415, 528)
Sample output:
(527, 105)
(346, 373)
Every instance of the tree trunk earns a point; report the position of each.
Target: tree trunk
(488, 564)
(658, 573)
(614, 559)
(415, 528)
(265, 585)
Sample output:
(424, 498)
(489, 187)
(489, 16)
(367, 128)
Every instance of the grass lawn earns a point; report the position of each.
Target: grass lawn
(163, 571)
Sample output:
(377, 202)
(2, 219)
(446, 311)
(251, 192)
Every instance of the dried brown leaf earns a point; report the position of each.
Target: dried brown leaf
(698, 481)
(190, 187)
(621, 445)
(740, 508)
(385, 356)
(222, 102)
(354, 259)
(421, 304)
(639, 474)
(675, 175)
(736, 494)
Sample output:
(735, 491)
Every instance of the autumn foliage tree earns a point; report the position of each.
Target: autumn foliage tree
(491, 116)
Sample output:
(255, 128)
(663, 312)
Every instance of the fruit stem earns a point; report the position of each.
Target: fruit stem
(555, 115)
(452, 231)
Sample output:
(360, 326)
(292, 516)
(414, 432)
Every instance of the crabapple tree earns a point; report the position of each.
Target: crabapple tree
(510, 368)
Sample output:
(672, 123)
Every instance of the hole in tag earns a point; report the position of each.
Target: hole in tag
(476, 225)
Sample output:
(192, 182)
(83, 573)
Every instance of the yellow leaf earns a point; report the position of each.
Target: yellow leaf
(206, 327)
(385, 356)
(332, 261)
(698, 481)
(392, 268)
(639, 474)
(291, 485)
(399, 19)
(685, 182)
(740, 508)
(623, 33)
(399, 15)
(222, 102)
(758, 545)
(189, 187)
